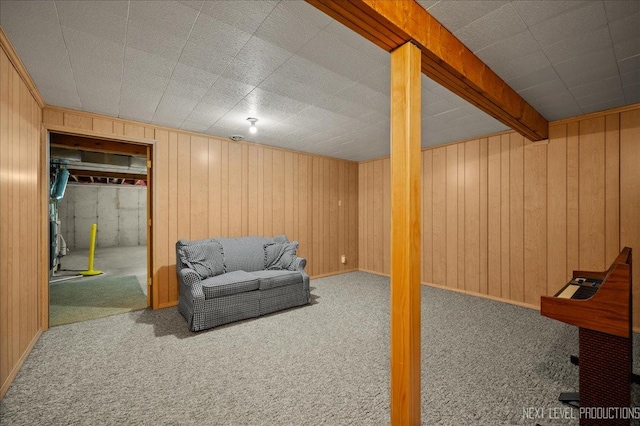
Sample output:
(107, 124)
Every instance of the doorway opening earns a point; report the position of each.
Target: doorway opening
(99, 227)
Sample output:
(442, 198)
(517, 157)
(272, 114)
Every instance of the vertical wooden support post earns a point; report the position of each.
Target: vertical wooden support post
(405, 235)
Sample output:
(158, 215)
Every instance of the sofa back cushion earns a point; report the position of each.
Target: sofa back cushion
(244, 253)
(280, 255)
(203, 256)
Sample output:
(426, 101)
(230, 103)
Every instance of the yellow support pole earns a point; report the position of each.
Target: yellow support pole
(92, 252)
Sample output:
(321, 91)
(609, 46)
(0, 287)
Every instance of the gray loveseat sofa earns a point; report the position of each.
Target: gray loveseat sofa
(229, 279)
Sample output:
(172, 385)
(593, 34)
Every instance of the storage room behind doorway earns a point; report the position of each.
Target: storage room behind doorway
(110, 191)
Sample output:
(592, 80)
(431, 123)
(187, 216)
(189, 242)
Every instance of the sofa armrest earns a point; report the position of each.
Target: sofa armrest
(191, 280)
(298, 265)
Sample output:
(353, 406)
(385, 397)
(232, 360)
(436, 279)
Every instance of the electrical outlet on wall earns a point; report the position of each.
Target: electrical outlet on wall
(343, 259)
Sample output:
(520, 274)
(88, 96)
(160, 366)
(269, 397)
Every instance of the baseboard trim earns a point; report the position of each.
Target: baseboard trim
(314, 277)
(167, 305)
(467, 292)
(16, 368)
(484, 296)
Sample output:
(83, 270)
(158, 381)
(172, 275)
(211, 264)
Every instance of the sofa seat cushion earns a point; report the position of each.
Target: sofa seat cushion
(273, 279)
(229, 283)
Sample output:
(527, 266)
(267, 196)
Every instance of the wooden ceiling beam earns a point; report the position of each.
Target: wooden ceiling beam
(445, 59)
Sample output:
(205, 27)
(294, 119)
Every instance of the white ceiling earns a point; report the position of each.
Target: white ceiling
(314, 85)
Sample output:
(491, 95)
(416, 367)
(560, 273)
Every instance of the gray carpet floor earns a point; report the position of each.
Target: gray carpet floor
(483, 363)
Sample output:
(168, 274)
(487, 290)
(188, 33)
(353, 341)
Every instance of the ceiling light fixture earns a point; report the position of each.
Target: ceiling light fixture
(253, 129)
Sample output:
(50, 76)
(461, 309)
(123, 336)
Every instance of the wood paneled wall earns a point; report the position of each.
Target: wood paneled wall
(206, 186)
(21, 210)
(511, 219)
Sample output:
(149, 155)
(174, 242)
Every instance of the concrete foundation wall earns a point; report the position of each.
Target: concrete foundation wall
(120, 212)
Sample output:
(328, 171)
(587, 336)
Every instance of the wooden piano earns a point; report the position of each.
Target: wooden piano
(600, 304)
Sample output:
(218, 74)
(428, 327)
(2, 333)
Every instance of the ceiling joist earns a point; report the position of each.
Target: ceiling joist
(107, 174)
(390, 24)
(97, 145)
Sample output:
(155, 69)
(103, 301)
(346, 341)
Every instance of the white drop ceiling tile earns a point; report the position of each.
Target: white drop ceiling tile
(509, 48)
(355, 110)
(570, 47)
(205, 113)
(610, 84)
(349, 37)
(331, 103)
(264, 100)
(204, 57)
(571, 23)
(437, 107)
(632, 93)
(380, 103)
(306, 13)
(535, 11)
(83, 48)
(136, 110)
(453, 114)
(59, 95)
(585, 69)
(328, 52)
(219, 131)
(628, 48)
(277, 130)
(101, 108)
(279, 84)
(542, 91)
(357, 92)
(105, 19)
(194, 127)
(244, 15)
(614, 103)
(173, 110)
(374, 117)
(558, 105)
(226, 93)
(154, 42)
(245, 73)
(629, 64)
(285, 29)
(165, 17)
(194, 76)
(193, 4)
(43, 51)
(630, 78)
(148, 63)
(139, 96)
(598, 98)
(257, 52)
(455, 15)
(236, 121)
(185, 90)
(625, 28)
(618, 9)
(256, 61)
(216, 36)
(524, 65)
(378, 80)
(533, 79)
(98, 91)
(135, 77)
(305, 71)
(497, 25)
